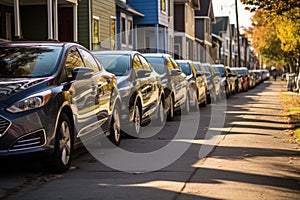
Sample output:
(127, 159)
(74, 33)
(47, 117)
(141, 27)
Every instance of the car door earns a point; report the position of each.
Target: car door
(101, 87)
(152, 88)
(181, 83)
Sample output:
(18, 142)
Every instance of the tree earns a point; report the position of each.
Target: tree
(276, 31)
(278, 7)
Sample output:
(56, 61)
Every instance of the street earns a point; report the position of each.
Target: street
(253, 158)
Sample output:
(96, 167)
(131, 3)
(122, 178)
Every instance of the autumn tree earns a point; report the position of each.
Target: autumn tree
(275, 33)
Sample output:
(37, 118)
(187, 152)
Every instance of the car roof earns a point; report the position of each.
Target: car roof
(37, 43)
(117, 52)
(156, 54)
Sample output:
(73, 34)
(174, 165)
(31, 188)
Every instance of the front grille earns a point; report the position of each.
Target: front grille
(32, 140)
(4, 125)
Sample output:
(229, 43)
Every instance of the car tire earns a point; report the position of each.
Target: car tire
(114, 128)
(137, 119)
(161, 114)
(186, 107)
(63, 148)
(170, 115)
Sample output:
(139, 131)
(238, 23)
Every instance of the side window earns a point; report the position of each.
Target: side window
(136, 64)
(175, 65)
(169, 64)
(145, 63)
(89, 60)
(73, 60)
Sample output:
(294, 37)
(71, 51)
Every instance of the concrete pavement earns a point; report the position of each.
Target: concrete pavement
(254, 159)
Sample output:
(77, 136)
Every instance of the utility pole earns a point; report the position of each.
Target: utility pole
(238, 34)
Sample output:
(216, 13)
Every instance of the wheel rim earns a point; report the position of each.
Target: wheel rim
(116, 125)
(65, 142)
(137, 120)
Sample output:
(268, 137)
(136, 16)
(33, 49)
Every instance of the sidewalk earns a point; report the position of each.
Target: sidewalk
(255, 160)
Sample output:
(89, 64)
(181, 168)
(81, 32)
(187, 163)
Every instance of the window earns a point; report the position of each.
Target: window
(136, 63)
(96, 32)
(113, 33)
(89, 60)
(145, 63)
(73, 60)
(129, 31)
(163, 5)
(123, 30)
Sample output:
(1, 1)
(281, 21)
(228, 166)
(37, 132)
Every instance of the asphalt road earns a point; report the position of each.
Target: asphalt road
(236, 149)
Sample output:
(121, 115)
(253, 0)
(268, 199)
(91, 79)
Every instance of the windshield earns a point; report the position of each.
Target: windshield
(185, 67)
(28, 62)
(222, 71)
(117, 64)
(157, 63)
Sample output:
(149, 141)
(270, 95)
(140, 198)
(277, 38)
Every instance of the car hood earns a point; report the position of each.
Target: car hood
(12, 86)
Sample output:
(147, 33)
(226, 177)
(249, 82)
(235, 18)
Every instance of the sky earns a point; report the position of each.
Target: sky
(227, 8)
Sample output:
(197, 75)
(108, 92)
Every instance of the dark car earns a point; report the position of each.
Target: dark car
(231, 80)
(213, 81)
(173, 79)
(224, 79)
(140, 88)
(238, 80)
(51, 96)
(197, 83)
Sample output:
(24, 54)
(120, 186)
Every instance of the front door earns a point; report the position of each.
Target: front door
(65, 24)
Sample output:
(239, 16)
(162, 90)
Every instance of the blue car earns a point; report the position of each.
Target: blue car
(52, 96)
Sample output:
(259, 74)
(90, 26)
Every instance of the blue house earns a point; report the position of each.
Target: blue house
(125, 26)
(152, 29)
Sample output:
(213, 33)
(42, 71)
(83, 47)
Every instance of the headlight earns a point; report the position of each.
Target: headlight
(32, 102)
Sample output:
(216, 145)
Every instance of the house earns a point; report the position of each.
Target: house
(96, 24)
(222, 28)
(216, 49)
(204, 18)
(126, 28)
(184, 27)
(152, 29)
(53, 20)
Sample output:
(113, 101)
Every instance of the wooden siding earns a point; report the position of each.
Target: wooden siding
(163, 16)
(149, 8)
(83, 24)
(104, 9)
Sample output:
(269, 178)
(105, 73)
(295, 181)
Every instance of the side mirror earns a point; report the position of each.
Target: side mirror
(81, 73)
(142, 73)
(207, 74)
(175, 72)
(199, 73)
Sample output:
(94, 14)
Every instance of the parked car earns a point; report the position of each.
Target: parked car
(213, 81)
(244, 78)
(141, 89)
(238, 80)
(231, 80)
(173, 79)
(51, 96)
(246, 73)
(196, 82)
(223, 79)
(208, 80)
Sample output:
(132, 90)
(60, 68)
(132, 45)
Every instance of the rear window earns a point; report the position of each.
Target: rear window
(28, 61)
(185, 67)
(157, 63)
(117, 64)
